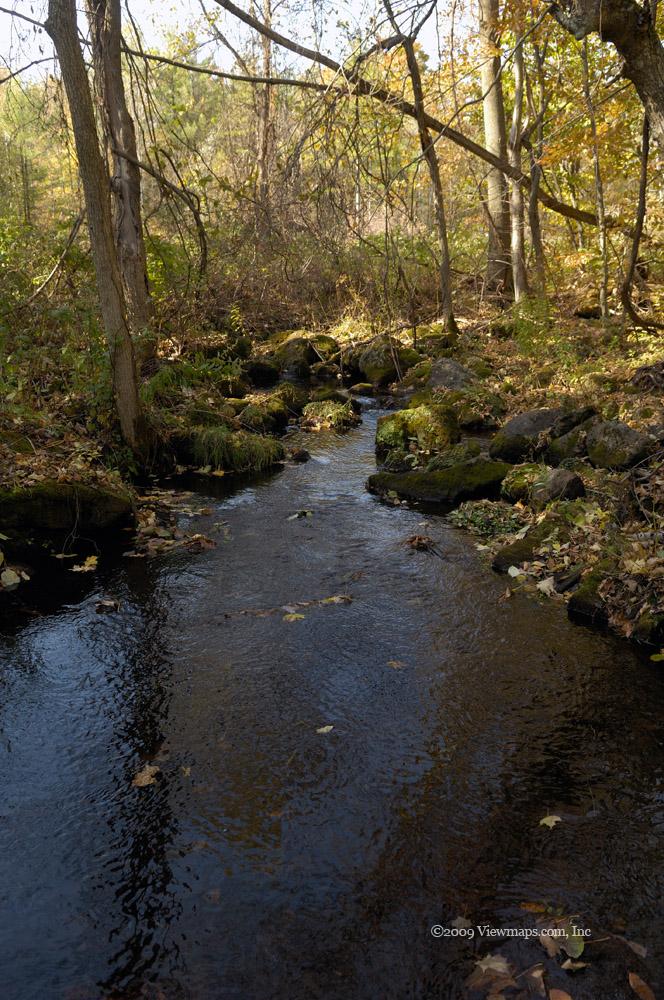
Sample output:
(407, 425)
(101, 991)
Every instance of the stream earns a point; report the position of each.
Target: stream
(270, 861)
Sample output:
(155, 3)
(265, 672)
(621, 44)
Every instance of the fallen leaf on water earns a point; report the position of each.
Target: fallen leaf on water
(569, 965)
(107, 605)
(572, 944)
(461, 922)
(640, 988)
(550, 944)
(293, 618)
(9, 579)
(325, 729)
(299, 514)
(396, 664)
(186, 771)
(337, 599)
(535, 979)
(494, 963)
(89, 566)
(534, 907)
(146, 776)
(637, 948)
(550, 821)
(492, 971)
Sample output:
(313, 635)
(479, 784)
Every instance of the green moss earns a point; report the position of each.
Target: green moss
(330, 416)
(328, 394)
(324, 345)
(464, 452)
(467, 481)
(487, 518)
(520, 480)
(234, 451)
(294, 396)
(256, 418)
(55, 506)
(432, 426)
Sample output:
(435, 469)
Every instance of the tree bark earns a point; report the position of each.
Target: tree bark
(631, 29)
(429, 154)
(105, 18)
(62, 28)
(265, 126)
(519, 272)
(599, 187)
(498, 273)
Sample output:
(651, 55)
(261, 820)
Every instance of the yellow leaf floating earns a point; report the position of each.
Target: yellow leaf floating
(146, 776)
(325, 729)
(89, 566)
(550, 821)
(293, 618)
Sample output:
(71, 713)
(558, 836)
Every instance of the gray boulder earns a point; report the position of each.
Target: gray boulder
(560, 484)
(613, 445)
(449, 374)
(518, 438)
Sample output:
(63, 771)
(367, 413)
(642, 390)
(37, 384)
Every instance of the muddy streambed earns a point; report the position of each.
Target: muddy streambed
(271, 860)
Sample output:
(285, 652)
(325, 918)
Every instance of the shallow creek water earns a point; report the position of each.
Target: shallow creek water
(273, 861)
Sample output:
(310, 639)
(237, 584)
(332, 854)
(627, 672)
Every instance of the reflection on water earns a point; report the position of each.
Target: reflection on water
(273, 861)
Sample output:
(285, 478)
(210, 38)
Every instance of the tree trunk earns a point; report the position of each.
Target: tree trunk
(519, 273)
(429, 154)
(537, 112)
(105, 19)
(265, 126)
(62, 28)
(631, 29)
(599, 187)
(498, 274)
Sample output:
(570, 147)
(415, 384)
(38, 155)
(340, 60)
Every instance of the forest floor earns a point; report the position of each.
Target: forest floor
(223, 404)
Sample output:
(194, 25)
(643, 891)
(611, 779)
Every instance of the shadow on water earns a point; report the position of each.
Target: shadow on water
(271, 860)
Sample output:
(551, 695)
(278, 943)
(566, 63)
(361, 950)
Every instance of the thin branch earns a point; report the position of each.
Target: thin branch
(23, 17)
(23, 69)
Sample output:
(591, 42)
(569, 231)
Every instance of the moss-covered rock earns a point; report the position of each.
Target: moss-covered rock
(362, 389)
(295, 357)
(328, 394)
(613, 445)
(518, 438)
(570, 445)
(294, 396)
(446, 373)
(466, 451)
(467, 481)
(382, 361)
(519, 482)
(522, 550)
(326, 347)
(585, 604)
(55, 506)
(329, 416)
(431, 427)
(262, 372)
(231, 451)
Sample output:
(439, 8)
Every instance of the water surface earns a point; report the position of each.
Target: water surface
(273, 861)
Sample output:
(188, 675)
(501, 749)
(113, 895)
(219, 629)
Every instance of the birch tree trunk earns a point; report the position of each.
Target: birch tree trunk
(62, 28)
(519, 272)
